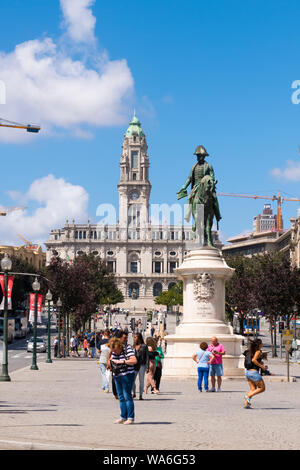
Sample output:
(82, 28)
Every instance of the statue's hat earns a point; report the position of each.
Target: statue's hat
(200, 150)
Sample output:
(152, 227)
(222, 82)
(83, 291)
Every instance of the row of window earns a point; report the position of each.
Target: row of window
(111, 253)
(261, 248)
(157, 267)
(159, 235)
(134, 289)
(132, 234)
(94, 235)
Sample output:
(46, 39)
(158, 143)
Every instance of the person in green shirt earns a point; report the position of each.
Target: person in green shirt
(158, 363)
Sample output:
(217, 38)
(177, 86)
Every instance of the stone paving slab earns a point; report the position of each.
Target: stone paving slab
(62, 406)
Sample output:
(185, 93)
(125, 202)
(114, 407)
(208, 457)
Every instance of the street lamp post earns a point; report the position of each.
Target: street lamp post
(6, 266)
(58, 304)
(36, 287)
(295, 309)
(49, 298)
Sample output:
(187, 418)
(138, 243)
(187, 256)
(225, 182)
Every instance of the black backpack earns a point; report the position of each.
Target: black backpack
(248, 360)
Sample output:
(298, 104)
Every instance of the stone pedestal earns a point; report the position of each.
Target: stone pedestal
(204, 273)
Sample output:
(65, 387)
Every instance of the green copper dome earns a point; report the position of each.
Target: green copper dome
(134, 127)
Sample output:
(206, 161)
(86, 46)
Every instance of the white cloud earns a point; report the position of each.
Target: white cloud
(79, 20)
(291, 172)
(45, 85)
(56, 201)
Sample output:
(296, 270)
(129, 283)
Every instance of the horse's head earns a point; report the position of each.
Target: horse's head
(208, 184)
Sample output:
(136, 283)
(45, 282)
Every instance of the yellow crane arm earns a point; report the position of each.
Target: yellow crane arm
(277, 198)
(16, 125)
(11, 209)
(26, 241)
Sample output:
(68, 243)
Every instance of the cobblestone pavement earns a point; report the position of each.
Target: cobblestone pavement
(62, 406)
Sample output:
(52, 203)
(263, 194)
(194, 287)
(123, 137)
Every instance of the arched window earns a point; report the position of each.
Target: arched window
(157, 289)
(172, 284)
(134, 290)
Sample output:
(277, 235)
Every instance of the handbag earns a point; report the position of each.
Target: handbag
(118, 369)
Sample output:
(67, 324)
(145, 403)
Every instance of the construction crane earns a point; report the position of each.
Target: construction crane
(277, 198)
(16, 125)
(29, 245)
(11, 209)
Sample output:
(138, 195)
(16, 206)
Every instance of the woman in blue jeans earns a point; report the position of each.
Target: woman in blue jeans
(122, 355)
(203, 357)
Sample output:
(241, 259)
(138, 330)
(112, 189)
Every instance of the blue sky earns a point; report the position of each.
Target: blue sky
(215, 73)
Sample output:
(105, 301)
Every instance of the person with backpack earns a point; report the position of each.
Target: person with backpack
(253, 364)
(203, 357)
(142, 355)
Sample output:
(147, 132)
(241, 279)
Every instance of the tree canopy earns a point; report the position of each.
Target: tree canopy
(171, 297)
(82, 285)
(267, 282)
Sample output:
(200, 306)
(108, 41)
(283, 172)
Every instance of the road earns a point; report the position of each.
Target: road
(18, 357)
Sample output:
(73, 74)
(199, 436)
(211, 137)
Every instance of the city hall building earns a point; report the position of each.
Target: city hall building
(142, 256)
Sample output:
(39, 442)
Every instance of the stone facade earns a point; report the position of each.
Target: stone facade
(255, 243)
(142, 256)
(295, 240)
(33, 255)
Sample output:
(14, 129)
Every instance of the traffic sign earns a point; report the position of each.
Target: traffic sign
(286, 336)
(288, 347)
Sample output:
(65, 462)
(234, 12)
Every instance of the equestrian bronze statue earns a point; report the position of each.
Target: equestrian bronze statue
(203, 191)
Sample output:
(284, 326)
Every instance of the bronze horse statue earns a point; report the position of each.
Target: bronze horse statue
(204, 192)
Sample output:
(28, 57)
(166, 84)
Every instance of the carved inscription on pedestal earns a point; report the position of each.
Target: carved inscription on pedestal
(204, 290)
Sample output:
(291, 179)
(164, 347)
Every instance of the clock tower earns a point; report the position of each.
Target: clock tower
(134, 186)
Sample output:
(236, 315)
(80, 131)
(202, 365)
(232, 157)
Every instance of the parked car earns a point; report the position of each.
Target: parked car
(40, 345)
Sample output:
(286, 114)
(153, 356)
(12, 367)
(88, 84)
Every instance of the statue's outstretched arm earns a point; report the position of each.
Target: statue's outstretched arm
(186, 184)
(183, 192)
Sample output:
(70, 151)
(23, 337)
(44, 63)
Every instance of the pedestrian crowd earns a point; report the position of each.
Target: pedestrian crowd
(210, 364)
(128, 367)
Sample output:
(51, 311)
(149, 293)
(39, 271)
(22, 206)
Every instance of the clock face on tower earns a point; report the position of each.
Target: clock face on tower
(134, 195)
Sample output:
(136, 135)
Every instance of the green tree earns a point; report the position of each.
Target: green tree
(171, 297)
(81, 285)
(267, 282)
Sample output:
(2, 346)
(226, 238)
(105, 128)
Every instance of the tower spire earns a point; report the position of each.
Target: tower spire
(134, 127)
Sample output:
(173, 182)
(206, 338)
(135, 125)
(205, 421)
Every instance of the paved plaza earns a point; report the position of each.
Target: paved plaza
(62, 406)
